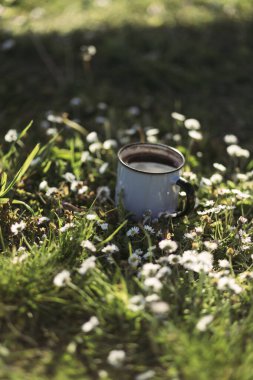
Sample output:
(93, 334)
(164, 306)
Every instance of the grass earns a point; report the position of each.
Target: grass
(41, 321)
(157, 61)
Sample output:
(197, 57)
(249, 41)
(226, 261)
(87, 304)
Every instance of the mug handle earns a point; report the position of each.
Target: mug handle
(190, 197)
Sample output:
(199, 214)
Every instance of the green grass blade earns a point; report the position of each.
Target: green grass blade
(72, 124)
(3, 182)
(22, 170)
(109, 238)
(25, 130)
(17, 202)
(3, 201)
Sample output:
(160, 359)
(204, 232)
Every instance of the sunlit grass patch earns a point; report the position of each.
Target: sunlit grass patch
(66, 16)
(84, 283)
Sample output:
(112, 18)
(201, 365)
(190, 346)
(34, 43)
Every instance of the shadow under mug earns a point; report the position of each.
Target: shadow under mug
(148, 179)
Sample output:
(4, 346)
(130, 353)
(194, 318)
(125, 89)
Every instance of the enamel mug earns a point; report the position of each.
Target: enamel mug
(148, 179)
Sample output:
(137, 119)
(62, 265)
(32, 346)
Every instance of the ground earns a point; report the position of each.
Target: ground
(87, 293)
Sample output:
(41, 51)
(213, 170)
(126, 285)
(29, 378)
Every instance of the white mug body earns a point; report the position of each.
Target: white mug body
(141, 192)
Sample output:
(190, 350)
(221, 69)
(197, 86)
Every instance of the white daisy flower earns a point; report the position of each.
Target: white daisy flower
(110, 248)
(85, 156)
(51, 190)
(136, 303)
(178, 116)
(116, 358)
(242, 220)
(219, 167)
(210, 245)
(87, 264)
(216, 178)
(225, 283)
(83, 189)
(152, 132)
(241, 177)
(236, 151)
(16, 228)
(103, 168)
(190, 235)
(69, 177)
(110, 144)
(204, 322)
(192, 124)
(66, 227)
(195, 135)
(19, 259)
(43, 186)
(224, 263)
(159, 308)
(92, 137)
(168, 245)
(163, 272)
(152, 298)
(90, 325)
(62, 278)
(54, 118)
(133, 231)
(209, 203)
(43, 219)
(134, 260)
(75, 185)
(51, 131)
(150, 269)
(91, 217)
(177, 137)
(153, 283)
(95, 147)
(171, 259)
(152, 139)
(104, 226)
(11, 136)
(138, 252)
(197, 262)
(230, 139)
(190, 176)
(205, 182)
(149, 229)
(87, 244)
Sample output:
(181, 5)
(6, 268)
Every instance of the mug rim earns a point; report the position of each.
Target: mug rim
(156, 145)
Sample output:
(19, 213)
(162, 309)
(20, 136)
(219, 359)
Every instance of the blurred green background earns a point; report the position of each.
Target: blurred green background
(190, 56)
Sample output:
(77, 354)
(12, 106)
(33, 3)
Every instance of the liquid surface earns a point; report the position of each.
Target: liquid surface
(151, 167)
